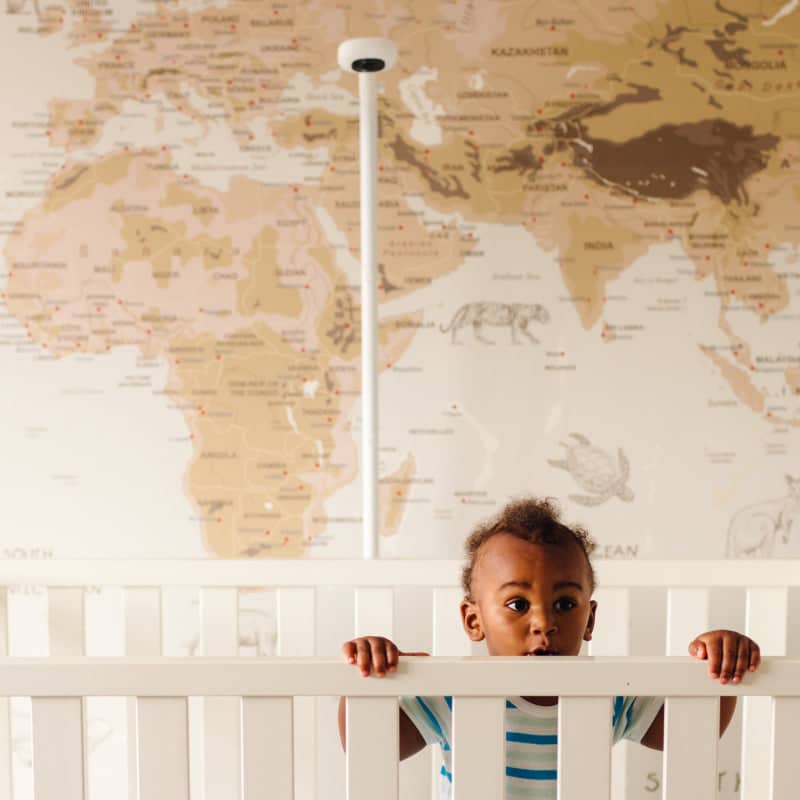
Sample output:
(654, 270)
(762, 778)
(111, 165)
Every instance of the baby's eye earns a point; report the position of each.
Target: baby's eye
(565, 604)
(519, 604)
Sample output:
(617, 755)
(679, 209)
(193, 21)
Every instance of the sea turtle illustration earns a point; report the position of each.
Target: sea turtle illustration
(594, 470)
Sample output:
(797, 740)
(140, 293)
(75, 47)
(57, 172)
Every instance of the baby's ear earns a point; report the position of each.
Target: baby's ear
(471, 620)
(587, 634)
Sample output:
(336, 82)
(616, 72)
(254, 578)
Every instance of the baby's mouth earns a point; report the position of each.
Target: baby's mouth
(542, 651)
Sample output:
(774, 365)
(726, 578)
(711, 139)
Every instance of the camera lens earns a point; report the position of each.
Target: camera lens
(368, 64)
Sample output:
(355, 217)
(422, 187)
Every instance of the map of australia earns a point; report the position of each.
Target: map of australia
(624, 175)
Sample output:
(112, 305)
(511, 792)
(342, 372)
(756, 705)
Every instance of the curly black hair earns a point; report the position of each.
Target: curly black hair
(533, 520)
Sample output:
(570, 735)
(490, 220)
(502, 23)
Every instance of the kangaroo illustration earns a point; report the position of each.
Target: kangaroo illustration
(514, 316)
(761, 529)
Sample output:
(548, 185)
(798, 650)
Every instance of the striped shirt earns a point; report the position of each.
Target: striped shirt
(531, 738)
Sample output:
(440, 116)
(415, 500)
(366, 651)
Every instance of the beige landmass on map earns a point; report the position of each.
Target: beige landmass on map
(51, 20)
(739, 380)
(167, 249)
(79, 181)
(89, 22)
(616, 81)
(256, 49)
(268, 425)
(603, 130)
(593, 255)
(265, 288)
(536, 180)
(207, 279)
(393, 495)
(793, 379)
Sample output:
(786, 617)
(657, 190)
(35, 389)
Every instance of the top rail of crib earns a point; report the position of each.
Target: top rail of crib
(384, 572)
(573, 676)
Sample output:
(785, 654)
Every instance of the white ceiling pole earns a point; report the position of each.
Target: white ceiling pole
(367, 57)
(368, 124)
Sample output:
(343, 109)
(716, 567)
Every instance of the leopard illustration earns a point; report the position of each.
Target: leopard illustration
(515, 316)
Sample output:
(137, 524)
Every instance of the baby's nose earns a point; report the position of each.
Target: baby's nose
(543, 624)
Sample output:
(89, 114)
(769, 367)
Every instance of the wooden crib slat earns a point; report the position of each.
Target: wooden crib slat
(267, 748)
(478, 748)
(372, 748)
(612, 637)
(756, 746)
(66, 632)
(296, 622)
(687, 615)
(142, 640)
(104, 621)
(374, 616)
(65, 621)
(5, 707)
(688, 612)
(785, 735)
(58, 754)
(221, 756)
(181, 636)
(142, 622)
(766, 617)
(374, 612)
(296, 610)
(6, 744)
(691, 736)
(584, 748)
(449, 638)
(163, 748)
(3, 621)
(220, 621)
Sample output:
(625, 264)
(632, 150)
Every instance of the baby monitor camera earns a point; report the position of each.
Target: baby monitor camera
(367, 55)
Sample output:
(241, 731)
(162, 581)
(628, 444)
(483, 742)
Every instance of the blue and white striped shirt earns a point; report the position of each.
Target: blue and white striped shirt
(531, 738)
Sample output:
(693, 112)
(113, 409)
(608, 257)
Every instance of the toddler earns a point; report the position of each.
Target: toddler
(528, 583)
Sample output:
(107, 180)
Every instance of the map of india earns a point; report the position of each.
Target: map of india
(588, 277)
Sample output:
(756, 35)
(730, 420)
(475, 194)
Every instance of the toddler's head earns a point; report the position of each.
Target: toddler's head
(528, 582)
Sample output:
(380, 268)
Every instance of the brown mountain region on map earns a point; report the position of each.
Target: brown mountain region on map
(640, 94)
(673, 161)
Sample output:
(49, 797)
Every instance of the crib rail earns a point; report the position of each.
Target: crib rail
(264, 689)
(575, 676)
(383, 572)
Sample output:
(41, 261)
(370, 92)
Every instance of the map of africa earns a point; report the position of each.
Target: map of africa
(589, 285)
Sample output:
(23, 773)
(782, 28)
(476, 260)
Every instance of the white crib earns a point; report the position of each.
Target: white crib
(255, 732)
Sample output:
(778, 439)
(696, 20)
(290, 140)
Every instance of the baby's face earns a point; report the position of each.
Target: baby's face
(529, 599)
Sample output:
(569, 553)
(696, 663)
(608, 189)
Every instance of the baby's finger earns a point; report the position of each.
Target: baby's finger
(697, 649)
(349, 652)
(730, 652)
(714, 649)
(363, 656)
(378, 647)
(755, 656)
(742, 660)
(392, 656)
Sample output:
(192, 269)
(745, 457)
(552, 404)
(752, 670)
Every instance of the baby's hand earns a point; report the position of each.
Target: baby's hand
(730, 654)
(379, 652)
